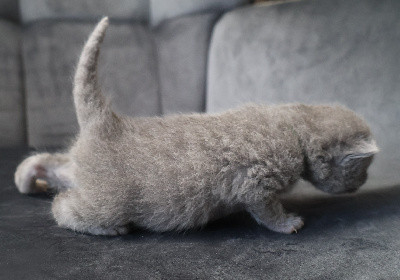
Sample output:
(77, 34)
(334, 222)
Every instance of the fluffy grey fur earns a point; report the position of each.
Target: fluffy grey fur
(179, 172)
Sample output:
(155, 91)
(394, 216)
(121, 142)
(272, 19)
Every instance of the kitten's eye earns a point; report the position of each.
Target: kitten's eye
(321, 159)
(324, 158)
(345, 159)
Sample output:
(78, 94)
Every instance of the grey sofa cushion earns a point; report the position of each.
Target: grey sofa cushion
(123, 9)
(319, 51)
(127, 70)
(167, 9)
(11, 99)
(182, 46)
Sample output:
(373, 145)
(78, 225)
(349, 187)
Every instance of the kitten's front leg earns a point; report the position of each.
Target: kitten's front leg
(270, 213)
(44, 172)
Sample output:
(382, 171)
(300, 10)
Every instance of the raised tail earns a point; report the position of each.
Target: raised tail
(88, 99)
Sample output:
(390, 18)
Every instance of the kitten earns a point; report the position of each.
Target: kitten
(179, 172)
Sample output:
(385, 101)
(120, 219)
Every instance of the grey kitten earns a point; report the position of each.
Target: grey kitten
(179, 172)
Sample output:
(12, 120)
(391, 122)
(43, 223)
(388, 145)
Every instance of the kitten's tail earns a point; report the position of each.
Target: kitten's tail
(88, 99)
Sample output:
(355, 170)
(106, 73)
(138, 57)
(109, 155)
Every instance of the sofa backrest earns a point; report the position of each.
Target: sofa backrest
(33, 10)
(161, 10)
(145, 72)
(153, 61)
(317, 51)
(147, 11)
(9, 10)
(12, 114)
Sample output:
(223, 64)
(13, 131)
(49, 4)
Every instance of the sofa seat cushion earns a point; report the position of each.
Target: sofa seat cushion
(345, 237)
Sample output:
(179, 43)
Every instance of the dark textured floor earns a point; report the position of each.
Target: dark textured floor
(346, 237)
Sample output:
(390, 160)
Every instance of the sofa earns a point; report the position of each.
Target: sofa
(175, 56)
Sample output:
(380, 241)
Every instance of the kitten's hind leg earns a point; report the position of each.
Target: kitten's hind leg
(44, 172)
(71, 211)
(271, 214)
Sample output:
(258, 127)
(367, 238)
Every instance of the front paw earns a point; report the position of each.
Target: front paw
(27, 176)
(291, 224)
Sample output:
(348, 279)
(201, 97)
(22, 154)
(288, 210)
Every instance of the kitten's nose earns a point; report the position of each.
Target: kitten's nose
(346, 189)
(352, 190)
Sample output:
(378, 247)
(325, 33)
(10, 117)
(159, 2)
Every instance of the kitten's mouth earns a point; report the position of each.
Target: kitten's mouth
(346, 191)
(352, 190)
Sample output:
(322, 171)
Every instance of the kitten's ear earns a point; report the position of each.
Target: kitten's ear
(363, 149)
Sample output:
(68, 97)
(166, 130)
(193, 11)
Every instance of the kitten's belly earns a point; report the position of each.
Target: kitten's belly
(184, 207)
(172, 220)
(223, 211)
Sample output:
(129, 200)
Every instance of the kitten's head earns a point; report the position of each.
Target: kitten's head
(338, 159)
(343, 170)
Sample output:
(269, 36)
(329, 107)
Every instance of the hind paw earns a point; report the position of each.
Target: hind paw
(27, 175)
(111, 231)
